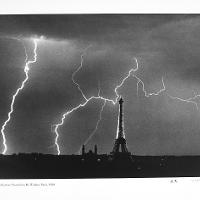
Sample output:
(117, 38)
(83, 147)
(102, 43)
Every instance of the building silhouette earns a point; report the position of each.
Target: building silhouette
(83, 150)
(95, 149)
(90, 152)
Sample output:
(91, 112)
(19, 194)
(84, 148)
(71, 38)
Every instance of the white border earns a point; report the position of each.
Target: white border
(98, 189)
(97, 6)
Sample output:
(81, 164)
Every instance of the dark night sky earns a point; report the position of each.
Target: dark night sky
(166, 46)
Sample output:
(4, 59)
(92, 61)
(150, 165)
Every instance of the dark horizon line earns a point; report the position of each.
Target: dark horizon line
(102, 154)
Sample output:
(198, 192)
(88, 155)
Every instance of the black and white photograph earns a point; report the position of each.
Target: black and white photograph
(99, 96)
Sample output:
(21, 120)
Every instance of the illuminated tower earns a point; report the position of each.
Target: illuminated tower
(120, 141)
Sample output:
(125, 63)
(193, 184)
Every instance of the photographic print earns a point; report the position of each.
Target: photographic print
(99, 96)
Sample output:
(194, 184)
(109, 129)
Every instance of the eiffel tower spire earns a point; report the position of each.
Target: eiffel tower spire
(120, 126)
(120, 141)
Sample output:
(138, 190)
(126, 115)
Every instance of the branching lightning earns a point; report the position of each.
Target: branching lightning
(113, 101)
(143, 86)
(188, 100)
(98, 121)
(96, 127)
(26, 70)
(77, 70)
(132, 73)
(86, 101)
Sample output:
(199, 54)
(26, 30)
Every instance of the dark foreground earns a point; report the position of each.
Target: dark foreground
(39, 166)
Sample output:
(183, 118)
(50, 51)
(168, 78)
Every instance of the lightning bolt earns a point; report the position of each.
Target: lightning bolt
(188, 100)
(86, 101)
(77, 70)
(143, 85)
(26, 70)
(113, 101)
(96, 127)
(98, 121)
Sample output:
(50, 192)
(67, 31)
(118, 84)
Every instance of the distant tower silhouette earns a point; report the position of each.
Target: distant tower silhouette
(95, 149)
(120, 140)
(83, 150)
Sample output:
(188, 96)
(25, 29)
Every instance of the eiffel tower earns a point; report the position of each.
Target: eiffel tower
(120, 141)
